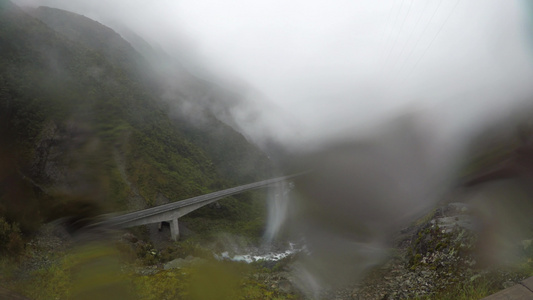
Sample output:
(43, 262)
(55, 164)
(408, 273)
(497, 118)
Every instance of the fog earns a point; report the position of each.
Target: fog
(347, 65)
(379, 97)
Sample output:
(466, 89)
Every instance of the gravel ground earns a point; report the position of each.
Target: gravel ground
(427, 258)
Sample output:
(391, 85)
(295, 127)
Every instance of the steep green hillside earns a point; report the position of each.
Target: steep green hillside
(82, 123)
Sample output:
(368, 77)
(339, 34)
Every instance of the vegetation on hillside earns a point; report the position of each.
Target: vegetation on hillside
(82, 116)
(85, 129)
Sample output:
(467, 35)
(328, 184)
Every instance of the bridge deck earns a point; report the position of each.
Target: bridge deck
(129, 217)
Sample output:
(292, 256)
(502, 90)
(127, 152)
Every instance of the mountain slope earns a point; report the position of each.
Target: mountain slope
(82, 125)
(232, 155)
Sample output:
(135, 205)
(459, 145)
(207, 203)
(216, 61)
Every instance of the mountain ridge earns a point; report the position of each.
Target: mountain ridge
(84, 124)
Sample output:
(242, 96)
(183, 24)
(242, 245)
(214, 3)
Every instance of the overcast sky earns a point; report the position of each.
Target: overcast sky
(333, 65)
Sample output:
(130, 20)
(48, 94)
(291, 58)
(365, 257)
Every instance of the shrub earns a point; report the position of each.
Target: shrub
(11, 242)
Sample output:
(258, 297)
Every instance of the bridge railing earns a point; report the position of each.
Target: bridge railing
(127, 219)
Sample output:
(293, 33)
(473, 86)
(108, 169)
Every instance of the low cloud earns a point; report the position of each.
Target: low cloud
(379, 98)
(330, 66)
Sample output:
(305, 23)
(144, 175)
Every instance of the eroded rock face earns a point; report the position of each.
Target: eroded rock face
(432, 256)
(60, 157)
(438, 254)
(446, 243)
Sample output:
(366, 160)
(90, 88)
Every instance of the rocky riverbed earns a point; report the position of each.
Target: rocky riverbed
(435, 256)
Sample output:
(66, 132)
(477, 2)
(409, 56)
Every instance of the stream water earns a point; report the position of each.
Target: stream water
(260, 255)
(278, 203)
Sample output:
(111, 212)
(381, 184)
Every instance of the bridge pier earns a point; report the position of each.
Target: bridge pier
(174, 229)
(170, 212)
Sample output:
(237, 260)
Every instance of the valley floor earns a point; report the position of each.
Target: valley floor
(434, 258)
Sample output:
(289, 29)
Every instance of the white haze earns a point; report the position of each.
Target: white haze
(415, 78)
(329, 66)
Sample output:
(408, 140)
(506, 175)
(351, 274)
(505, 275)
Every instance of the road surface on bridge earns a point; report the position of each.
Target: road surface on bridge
(172, 211)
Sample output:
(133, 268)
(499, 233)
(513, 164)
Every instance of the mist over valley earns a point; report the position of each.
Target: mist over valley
(406, 125)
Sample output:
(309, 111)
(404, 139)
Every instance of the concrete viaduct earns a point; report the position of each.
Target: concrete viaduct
(173, 211)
